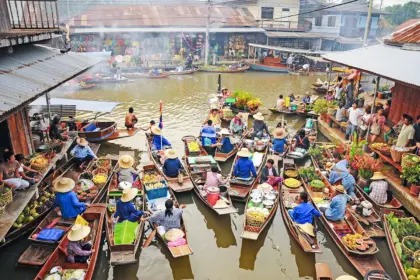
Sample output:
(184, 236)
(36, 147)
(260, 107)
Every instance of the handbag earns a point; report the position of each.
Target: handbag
(376, 128)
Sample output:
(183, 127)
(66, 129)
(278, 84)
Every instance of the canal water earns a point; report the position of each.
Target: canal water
(219, 251)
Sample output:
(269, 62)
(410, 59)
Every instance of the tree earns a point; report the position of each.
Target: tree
(401, 13)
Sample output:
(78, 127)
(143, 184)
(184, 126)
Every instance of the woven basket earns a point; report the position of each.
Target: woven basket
(2, 210)
(405, 249)
(6, 198)
(39, 167)
(417, 259)
(100, 171)
(107, 166)
(405, 162)
(252, 224)
(396, 155)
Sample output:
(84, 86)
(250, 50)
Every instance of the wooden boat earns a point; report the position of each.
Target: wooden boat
(109, 80)
(98, 131)
(121, 254)
(319, 89)
(270, 64)
(221, 70)
(323, 271)
(187, 185)
(287, 112)
(176, 252)
(77, 87)
(185, 72)
(393, 204)
(222, 157)
(287, 197)
(95, 216)
(197, 170)
(250, 113)
(146, 75)
(252, 232)
(363, 261)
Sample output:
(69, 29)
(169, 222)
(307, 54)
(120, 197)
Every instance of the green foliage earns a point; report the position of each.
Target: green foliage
(243, 98)
(315, 152)
(412, 174)
(321, 106)
(401, 13)
(356, 148)
(403, 226)
(308, 173)
(125, 232)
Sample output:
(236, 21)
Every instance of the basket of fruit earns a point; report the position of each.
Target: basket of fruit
(409, 160)
(6, 196)
(100, 171)
(383, 148)
(292, 183)
(156, 190)
(193, 148)
(410, 244)
(100, 179)
(104, 163)
(291, 173)
(317, 185)
(254, 221)
(39, 163)
(416, 258)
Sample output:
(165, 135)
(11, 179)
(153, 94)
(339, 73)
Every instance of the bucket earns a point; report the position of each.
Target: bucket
(223, 190)
(213, 195)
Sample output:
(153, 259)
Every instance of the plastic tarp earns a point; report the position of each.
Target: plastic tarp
(81, 105)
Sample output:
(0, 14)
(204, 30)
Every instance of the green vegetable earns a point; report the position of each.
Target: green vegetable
(317, 184)
(321, 106)
(315, 153)
(394, 236)
(398, 248)
(412, 174)
(125, 232)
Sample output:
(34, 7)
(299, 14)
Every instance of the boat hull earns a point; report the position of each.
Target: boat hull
(268, 68)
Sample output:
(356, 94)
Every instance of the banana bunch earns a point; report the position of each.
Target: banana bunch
(153, 186)
(148, 178)
(292, 183)
(350, 240)
(193, 146)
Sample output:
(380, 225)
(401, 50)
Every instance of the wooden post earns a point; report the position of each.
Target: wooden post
(329, 76)
(48, 107)
(255, 53)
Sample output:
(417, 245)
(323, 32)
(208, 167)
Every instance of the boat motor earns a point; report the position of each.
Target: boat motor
(367, 208)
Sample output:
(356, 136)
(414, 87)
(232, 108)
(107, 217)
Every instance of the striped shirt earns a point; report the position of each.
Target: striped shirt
(378, 191)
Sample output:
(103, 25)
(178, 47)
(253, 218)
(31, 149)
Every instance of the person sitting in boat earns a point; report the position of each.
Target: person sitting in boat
(260, 128)
(279, 141)
(82, 152)
(208, 137)
(125, 209)
(280, 103)
(325, 85)
(179, 68)
(244, 167)
(237, 125)
(307, 99)
(225, 146)
(78, 248)
(378, 188)
(269, 174)
(66, 199)
(126, 171)
(214, 178)
(224, 92)
(214, 116)
(337, 208)
(304, 211)
(172, 165)
(168, 219)
(302, 141)
(292, 97)
(148, 130)
(159, 142)
(130, 119)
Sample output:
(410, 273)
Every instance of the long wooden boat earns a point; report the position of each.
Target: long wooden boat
(98, 131)
(250, 113)
(323, 271)
(319, 89)
(287, 112)
(197, 170)
(222, 157)
(393, 204)
(109, 80)
(176, 252)
(185, 72)
(269, 68)
(94, 215)
(220, 70)
(287, 197)
(186, 186)
(146, 75)
(121, 254)
(362, 261)
(77, 87)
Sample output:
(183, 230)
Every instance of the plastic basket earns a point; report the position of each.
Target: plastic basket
(406, 250)
(157, 193)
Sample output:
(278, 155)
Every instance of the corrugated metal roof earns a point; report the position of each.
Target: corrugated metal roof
(92, 30)
(33, 70)
(305, 35)
(409, 34)
(390, 62)
(145, 15)
(407, 23)
(81, 105)
(289, 50)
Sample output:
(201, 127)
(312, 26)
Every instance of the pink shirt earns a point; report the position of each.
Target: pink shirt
(214, 179)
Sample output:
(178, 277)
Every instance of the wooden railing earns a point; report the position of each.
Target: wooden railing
(33, 14)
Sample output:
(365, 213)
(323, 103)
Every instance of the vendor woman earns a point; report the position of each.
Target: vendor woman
(82, 152)
(126, 172)
(214, 116)
(66, 199)
(172, 165)
(78, 248)
(168, 219)
(244, 167)
(159, 142)
(125, 209)
(237, 125)
(225, 146)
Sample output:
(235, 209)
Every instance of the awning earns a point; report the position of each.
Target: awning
(290, 50)
(33, 70)
(392, 63)
(94, 30)
(81, 105)
(299, 35)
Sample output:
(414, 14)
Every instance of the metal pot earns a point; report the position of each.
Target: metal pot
(249, 143)
(268, 203)
(270, 196)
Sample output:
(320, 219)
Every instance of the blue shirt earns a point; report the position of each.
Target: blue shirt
(339, 171)
(303, 213)
(244, 167)
(127, 211)
(171, 167)
(208, 135)
(227, 146)
(337, 209)
(82, 152)
(69, 204)
(348, 182)
(156, 142)
(278, 145)
(306, 100)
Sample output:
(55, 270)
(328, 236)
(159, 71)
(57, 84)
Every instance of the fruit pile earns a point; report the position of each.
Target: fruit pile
(100, 179)
(39, 163)
(383, 147)
(151, 177)
(193, 146)
(152, 186)
(317, 184)
(413, 273)
(356, 241)
(85, 192)
(292, 183)
(291, 173)
(35, 208)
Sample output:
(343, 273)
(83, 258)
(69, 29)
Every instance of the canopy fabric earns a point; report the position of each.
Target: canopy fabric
(81, 105)
(289, 50)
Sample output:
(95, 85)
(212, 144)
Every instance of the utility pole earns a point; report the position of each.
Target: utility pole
(206, 47)
(368, 22)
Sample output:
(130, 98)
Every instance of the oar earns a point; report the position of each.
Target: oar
(150, 238)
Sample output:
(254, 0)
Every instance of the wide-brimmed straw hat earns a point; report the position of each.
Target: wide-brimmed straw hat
(64, 185)
(244, 152)
(280, 133)
(156, 130)
(78, 232)
(340, 188)
(307, 228)
(378, 176)
(259, 116)
(129, 194)
(82, 142)
(346, 277)
(225, 131)
(170, 153)
(126, 161)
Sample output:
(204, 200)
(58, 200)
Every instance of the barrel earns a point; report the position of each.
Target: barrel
(213, 195)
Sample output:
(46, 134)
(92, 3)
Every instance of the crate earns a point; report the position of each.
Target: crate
(157, 193)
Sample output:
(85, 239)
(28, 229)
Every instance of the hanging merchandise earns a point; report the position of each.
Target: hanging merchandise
(135, 44)
(127, 58)
(119, 58)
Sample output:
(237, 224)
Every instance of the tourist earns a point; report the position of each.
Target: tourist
(386, 108)
(364, 122)
(260, 128)
(244, 167)
(330, 95)
(349, 93)
(307, 99)
(280, 103)
(66, 199)
(336, 211)
(172, 166)
(270, 175)
(130, 119)
(126, 171)
(304, 211)
(225, 146)
(378, 188)
(9, 173)
(125, 209)
(214, 116)
(377, 124)
(406, 135)
(354, 116)
(78, 249)
(159, 142)
(301, 140)
(166, 220)
(279, 141)
(292, 97)
(208, 137)
(340, 115)
(20, 159)
(82, 153)
(214, 178)
(237, 125)
(338, 91)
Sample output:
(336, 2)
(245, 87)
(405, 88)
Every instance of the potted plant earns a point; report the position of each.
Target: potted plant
(365, 166)
(332, 107)
(412, 175)
(321, 108)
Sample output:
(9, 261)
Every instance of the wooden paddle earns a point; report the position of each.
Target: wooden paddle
(150, 238)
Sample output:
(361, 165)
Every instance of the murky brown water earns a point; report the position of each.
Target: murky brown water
(219, 252)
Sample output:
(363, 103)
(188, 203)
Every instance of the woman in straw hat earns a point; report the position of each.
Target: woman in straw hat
(82, 152)
(378, 188)
(214, 116)
(260, 128)
(237, 125)
(279, 141)
(304, 211)
(244, 167)
(126, 172)
(159, 142)
(225, 146)
(340, 174)
(172, 165)
(168, 219)
(66, 199)
(307, 99)
(337, 208)
(125, 209)
(78, 249)
(208, 137)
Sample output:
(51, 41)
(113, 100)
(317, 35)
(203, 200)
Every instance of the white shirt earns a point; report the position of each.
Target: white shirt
(305, 66)
(280, 104)
(270, 171)
(338, 92)
(354, 115)
(340, 114)
(366, 118)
